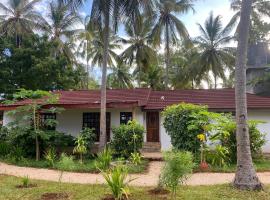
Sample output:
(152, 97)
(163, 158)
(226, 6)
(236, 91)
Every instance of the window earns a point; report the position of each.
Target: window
(125, 117)
(92, 120)
(1, 118)
(45, 117)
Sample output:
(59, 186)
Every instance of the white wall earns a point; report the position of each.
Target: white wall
(263, 115)
(70, 120)
(165, 139)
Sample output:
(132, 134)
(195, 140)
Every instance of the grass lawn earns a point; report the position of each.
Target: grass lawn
(9, 191)
(262, 165)
(87, 167)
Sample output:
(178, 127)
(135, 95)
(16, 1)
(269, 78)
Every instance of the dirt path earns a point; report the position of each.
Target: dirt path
(148, 179)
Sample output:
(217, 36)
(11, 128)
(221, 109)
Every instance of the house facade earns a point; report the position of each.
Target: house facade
(143, 105)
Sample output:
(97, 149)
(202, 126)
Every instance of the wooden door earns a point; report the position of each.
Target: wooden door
(152, 126)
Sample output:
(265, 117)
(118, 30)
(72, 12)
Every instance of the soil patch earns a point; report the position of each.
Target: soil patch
(25, 187)
(159, 191)
(55, 196)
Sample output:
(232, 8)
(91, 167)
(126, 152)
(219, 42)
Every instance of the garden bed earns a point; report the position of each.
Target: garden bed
(87, 167)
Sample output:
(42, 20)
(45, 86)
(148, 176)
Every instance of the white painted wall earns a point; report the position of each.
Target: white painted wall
(70, 120)
(165, 139)
(263, 115)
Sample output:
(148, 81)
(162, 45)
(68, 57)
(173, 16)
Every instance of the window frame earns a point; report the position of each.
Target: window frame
(45, 116)
(127, 115)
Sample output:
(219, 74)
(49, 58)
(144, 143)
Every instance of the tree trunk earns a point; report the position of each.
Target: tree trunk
(167, 59)
(215, 77)
(87, 65)
(103, 135)
(245, 176)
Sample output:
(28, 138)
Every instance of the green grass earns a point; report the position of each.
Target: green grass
(87, 167)
(8, 191)
(262, 165)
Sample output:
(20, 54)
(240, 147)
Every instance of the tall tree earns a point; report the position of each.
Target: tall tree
(139, 50)
(245, 176)
(120, 77)
(170, 28)
(260, 11)
(62, 27)
(20, 18)
(214, 55)
(85, 38)
(107, 14)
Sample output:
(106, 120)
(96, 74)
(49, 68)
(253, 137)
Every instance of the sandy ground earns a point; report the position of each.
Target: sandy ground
(148, 179)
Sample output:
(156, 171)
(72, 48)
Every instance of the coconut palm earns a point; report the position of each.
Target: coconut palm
(139, 51)
(107, 14)
(153, 78)
(245, 176)
(20, 18)
(170, 28)
(120, 77)
(214, 55)
(260, 9)
(85, 37)
(62, 27)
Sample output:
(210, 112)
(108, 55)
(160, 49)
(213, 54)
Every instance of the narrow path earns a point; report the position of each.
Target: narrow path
(148, 179)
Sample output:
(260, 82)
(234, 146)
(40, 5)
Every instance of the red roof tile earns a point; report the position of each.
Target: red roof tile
(155, 100)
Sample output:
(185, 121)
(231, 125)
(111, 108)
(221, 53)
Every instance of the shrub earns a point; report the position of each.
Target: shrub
(17, 153)
(89, 136)
(178, 165)
(116, 179)
(183, 122)
(218, 156)
(25, 181)
(226, 135)
(80, 147)
(127, 139)
(50, 156)
(136, 158)
(4, 149)
(104, 159)
(66, 163)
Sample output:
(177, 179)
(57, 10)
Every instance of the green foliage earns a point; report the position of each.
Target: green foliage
(226, 135)
(178, 165)
(183, 122)
(32, 66)
(136, 158)
(50, 156)
(66, 163)
(116, 179)
(17, 153)
(25, 181)
(89, 136)
(219, 156)
(127, 139)
(104, 159)
(80, 147)
(4, 149)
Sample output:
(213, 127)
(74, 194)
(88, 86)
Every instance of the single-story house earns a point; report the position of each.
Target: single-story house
(145, 106)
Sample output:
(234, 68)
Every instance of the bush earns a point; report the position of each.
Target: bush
(50, 156)
(226, 135)
(178, 165)
(89, 137)
(183, 122)
(66, 163)
(219, 156)
(4, 149)
(104, 159)
(127, 139)
(136, 158)
(116, 180)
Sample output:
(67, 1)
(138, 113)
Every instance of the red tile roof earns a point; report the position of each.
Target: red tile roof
(148, 99)
(213, 98)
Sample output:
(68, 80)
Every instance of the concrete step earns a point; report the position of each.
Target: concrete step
(151, 147)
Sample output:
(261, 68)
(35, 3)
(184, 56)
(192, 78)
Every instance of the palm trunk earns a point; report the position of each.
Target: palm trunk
(167, 59)
(102, 137)
(215, 77)
(245, 176)
(87, 67)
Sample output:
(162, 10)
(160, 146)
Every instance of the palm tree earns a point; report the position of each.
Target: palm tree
(96, 49)
(120, 77)
(153, 77)
(20, 18)
(168, 27)
(85, 37)
(260, 10)
(62, 28)
(214, 55)
(107, 14)
(245, 176)
(139, 51)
